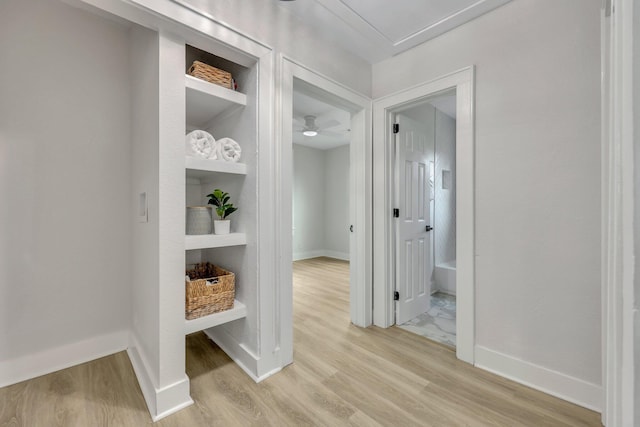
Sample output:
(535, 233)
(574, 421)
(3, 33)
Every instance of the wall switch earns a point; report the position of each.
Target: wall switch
(143, 214)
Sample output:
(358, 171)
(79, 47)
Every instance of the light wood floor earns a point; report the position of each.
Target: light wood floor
(342, 375)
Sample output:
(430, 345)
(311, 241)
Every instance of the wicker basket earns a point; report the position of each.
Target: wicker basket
(211, 74)
(211, 289)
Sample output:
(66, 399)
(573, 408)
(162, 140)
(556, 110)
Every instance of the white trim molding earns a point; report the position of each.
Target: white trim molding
(384, 308)
(555, 383)
(619, 305)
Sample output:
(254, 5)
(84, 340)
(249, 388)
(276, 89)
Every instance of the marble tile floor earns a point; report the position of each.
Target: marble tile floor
(438, 323)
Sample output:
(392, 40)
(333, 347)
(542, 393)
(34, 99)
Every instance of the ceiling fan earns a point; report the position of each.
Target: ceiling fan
(310, 126)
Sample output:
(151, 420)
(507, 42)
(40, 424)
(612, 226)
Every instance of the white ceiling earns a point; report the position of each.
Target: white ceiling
(338, 134)
(338, 121)
(378, 29)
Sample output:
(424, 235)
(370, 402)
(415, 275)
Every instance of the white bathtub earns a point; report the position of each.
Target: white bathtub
(445, 277)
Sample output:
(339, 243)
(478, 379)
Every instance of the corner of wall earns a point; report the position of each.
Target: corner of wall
(54, 359)
(161, 402)
(239, 353)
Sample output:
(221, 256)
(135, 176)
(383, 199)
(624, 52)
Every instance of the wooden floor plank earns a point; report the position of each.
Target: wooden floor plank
(342, 375)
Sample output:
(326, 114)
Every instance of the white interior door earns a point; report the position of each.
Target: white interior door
(414, 244)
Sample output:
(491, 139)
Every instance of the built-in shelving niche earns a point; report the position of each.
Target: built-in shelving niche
(208, 100)
(224, 113)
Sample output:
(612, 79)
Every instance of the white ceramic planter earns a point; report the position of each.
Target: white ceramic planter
(221, 226)
(199, 220)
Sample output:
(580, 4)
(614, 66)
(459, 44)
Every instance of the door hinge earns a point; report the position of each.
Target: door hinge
(396, 296)
(396, 127)
(396, 213)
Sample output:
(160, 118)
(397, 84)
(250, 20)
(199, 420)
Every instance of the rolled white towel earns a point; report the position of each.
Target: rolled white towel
(229, 150)
(200, 144)
(215, 152)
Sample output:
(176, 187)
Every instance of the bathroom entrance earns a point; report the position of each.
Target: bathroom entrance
(385, 260)
(425, 221)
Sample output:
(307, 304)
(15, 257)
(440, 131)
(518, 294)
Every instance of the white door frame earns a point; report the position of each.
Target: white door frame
(383, 309)
(618, 198)
(360, 163)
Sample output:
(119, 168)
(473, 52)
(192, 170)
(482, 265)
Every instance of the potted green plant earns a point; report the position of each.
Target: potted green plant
(220, 200)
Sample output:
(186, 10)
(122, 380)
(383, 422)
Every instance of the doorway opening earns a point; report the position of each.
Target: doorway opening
(385, 266)
(321, 164)
(321, 210)
(425, 253)
(298, 80)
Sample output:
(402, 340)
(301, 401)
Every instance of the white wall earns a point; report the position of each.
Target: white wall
(65, 258)
(320, 202)
(308, 202)
(336, 202)
(285, 33)
(445, 199)
(537, 181)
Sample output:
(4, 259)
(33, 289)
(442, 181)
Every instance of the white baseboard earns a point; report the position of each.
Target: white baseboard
(54, 359)
(164, 401)
(239, 353)
(555, 383)
(144, 379)
(298, 256)
(337, 255)
(172, 398)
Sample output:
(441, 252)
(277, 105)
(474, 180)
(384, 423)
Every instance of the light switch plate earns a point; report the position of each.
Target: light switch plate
(143, 212)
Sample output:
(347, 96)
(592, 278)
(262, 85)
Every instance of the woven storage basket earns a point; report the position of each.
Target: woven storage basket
(211, 74)
(211, 289)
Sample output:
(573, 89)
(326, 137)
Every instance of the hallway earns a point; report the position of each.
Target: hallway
(342, 375)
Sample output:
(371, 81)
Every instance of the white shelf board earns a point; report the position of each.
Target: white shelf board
(238, 311)
(206, 169)
(206, 241)
(206, 100)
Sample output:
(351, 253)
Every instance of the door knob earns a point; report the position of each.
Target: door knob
(351, 228)
(428, 228)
